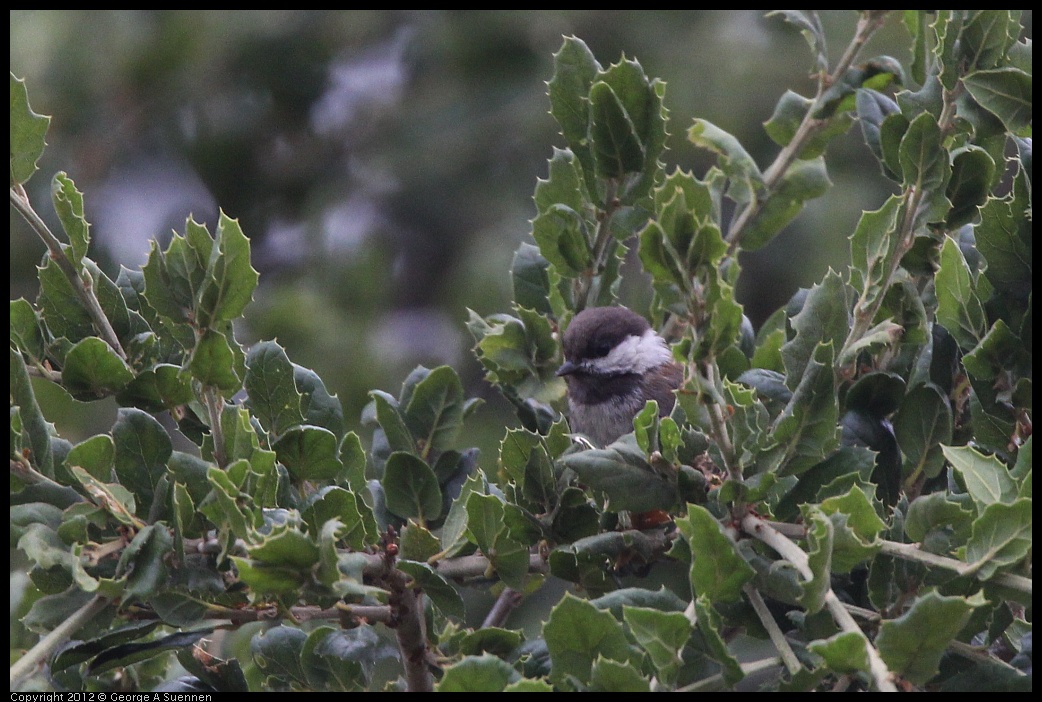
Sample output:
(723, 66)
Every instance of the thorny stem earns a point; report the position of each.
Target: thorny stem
(760, 529)
(809, 127)
(80, 282)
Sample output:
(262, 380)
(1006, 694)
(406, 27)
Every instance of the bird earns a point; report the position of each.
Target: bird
(614, 363)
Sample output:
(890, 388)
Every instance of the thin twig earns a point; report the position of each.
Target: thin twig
(506, 603)
(84, 288)
(760, 529)
(25, 665)
(773, 630)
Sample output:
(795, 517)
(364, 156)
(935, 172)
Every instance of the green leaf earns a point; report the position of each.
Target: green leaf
(806, 430)
(718, 572)
(987, 479)
(912, 644)
(441, 593)
(273, 396)
(95, 455)
(972, 173)
(59, 305)
(230, 279)
(804, 180)
(530, 277)
(278, 654)
(935, 512)
(93, 370)
(342, 660)
(1004, 92)
(824, 318)
(922, 423)
(144, 559)
(845, 652)
(710, 625)
(484, 673)
(622, 474)
(873, 108)
(337, 503)
(1004, 238)
(212, 362)
(575, 69)
(810, 27)
(819, 559)
(872, 248)
(617, 148)
(576, 634)
(286, 547)
(309, 453)
(25, 329)
(1001, 537)
(958, 307)
(130, 653)
(28, 130)
(434, 412)
(68, 203)
(83, 651)
(662, 635)
(746, 179)
(561, 235)
(143, 448)
(609, 676)
(411, 487)
(35, 433)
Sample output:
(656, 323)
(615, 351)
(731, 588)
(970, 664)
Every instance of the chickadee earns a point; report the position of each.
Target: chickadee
(615, 363)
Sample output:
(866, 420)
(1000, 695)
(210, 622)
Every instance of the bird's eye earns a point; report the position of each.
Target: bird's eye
(601, 349)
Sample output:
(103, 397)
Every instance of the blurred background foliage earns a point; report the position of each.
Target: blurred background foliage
(383, 161)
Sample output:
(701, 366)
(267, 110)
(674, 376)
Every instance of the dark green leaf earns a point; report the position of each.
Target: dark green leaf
(577, 633)
(444, 596)
(1001, 537)
(35, 432)
(143, 448)
(95, 455)
(434, 412)
(212, 362)
(1006, 93)
(484, 673)
(575, 69)
(621, 472)
(986, 478)
(845, 652)
(922, 424)
(68, 204)
(411, 487)
(93, 370)
(130, 653)
(85, 650)
(269, 382)
(662, 635)
(59, 305)
(804, 180)
(278, 653)
(958, 307)
(530, 278)
(309, 453)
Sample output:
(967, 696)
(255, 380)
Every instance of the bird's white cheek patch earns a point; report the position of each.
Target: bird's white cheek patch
(636, 354)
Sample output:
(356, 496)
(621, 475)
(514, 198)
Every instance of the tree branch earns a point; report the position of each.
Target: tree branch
(47, 645)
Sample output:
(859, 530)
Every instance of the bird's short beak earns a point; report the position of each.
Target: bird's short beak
(567, 368)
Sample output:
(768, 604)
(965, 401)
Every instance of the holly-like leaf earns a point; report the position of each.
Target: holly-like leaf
(411, 487)
(577, 633)
(1001, 537)
(273, 396)
(28, 130)
(717, 570)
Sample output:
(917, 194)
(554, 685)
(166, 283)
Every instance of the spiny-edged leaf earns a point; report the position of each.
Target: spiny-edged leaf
(873, 108)
(68, 203)
(531, 280)
(143, 448)
(717, 570)
(95, 455)
(819, 560)
(444, 596)
(844, 652)
(59, 305)
(958, 307)
(987, 479)
(484, 673)
(342, 660)
(1004, 92)
(278, 654)
(662, 635)
(805, 180)
(309, 453)
(144, 558)
(561, 235)
(621, 472)
(872, 248)
(710, 625)
(230, 280)
(113, 498)
(575, 69)
(44, 547)
(337, 503)
(26, 334)
(455, 528)
(824, 317)
(35, 432)
(1001, 537)
(213, 363)
(735, 161)
(912, 644)
(972, 173)
(273, 395)
(936, 512)
(806, 430)
(434, 412)
(563, 186)
(490, 639)
(411, 487)
(810, 27)
(611, 676)
(925, 164)
(577, 633)
(1004, 238)
(28, 131)
(923, 422)
(93, 370)
(417, 543)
